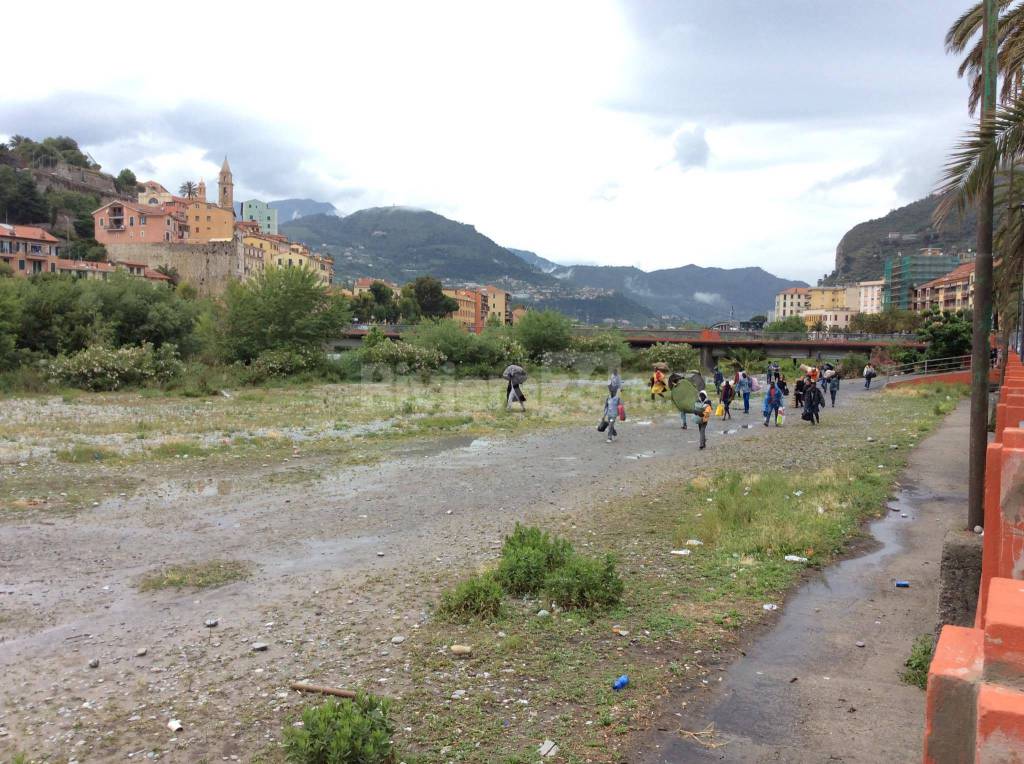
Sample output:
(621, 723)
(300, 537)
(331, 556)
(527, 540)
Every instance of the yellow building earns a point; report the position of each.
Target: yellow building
(829, 318)
(498, 305)
(833, 298)
(293, 255)
(471, 310)
(272, 245)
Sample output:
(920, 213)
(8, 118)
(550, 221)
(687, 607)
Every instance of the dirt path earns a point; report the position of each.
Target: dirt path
(805, 692)
(342, 563)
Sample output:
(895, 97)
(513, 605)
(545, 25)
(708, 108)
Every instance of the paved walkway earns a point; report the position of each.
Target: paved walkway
(805, 692)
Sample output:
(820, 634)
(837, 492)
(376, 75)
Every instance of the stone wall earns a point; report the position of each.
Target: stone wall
(208, 267)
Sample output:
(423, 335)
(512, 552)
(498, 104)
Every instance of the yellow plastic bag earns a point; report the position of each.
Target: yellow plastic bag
(720, 411)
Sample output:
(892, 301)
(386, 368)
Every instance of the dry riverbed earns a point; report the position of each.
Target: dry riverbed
(327, 546)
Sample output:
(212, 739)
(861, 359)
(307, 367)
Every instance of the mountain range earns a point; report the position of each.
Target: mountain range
(401, 243)
(292, 209)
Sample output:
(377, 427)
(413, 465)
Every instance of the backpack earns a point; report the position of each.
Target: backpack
(698, 407)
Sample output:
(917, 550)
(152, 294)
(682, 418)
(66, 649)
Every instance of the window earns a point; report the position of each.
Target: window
(167, 237)
(167, 221)
(21, 265)
(142, 220)
(53, 268)
(102, 224)
(131, 220)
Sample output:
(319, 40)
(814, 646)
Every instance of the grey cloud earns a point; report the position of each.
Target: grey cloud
(864, 172)
(691, 148)
(708, 298)
(264, 161)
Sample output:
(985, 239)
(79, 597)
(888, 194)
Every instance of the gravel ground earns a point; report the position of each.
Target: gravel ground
(343, 563)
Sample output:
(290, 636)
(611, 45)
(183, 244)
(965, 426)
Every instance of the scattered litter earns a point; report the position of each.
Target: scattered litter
(821, 510)
(894, 447)
(680, 552)
(794, 679)
(461, 649)
(211, 623)
(904, 514)
(543, 614)
(174, 725)
(859, 643)
(458, 694)
(770, 606)
(621, 682)
(871, 440)
(978, 529)
(380, 554)
(548, 748)
(902, 584)
(794, 558)
(620, 631)
(397, 639)
(798, 494)
(259, 647)
(694, 542)
(141, 652)
(94, 662)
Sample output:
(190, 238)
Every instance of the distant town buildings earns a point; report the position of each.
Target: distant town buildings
(870, 296)
(260, 212)
(791, 302)
(951, 292)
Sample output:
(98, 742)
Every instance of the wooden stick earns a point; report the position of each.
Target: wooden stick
(323, 690)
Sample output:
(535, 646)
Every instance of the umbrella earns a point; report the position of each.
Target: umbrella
(514, 373)
(661, 366)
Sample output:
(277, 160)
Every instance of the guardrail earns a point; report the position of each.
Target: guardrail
(932, 366)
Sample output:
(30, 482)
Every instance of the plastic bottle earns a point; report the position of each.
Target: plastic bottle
(621, 682)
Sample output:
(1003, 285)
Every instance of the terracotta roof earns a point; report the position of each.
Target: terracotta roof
(795, 290)
(26, 232)
(83, 265)
(156, 275)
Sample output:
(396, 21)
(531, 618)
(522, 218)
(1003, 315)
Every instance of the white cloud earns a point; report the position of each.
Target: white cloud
(513, 118)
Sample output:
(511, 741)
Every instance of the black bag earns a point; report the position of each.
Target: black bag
(807, 416)
(603, 426)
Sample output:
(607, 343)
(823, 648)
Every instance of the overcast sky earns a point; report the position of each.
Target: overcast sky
(653, 133)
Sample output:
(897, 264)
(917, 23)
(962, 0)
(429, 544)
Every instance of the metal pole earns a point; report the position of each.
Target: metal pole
(982, 292)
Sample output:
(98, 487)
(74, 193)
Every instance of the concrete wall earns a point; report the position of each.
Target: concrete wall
(208, 267)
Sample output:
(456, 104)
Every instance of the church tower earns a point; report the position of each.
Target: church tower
(201, 190)
(227, 187)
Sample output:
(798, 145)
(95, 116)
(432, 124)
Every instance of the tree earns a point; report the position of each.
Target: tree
(20, 200)
(87, 249)
(433, 302)
(10, 321)
(758, 321)
(282, 308)
(791, 324)
(170, 272)
(126, 182)
(544, 331)
(188, 189)
(947, 334)
(382, 294)
(745, 358)
(1010, 56)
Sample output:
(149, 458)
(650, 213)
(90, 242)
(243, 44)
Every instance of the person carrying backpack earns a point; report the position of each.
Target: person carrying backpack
(726, 397)
(869, 374)
(772, 403)
(703, 416)
(833, 387)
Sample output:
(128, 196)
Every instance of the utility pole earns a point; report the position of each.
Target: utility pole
(982, 289)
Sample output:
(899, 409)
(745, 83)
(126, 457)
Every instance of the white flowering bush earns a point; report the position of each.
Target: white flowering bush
(283, 362)
(100, 367)
(403, 357)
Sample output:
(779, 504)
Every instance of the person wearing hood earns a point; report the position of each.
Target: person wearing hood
(773, 401)
(744, 387)
(615, 383)
(704, 404)
(814, 399)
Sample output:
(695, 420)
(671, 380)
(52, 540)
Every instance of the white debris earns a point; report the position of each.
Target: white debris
(680, 552)
(770, 606)
(174, 725)
(794, 558)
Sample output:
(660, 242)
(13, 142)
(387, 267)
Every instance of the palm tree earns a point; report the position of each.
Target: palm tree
(188, 189)
(966, 31)
(744, 358)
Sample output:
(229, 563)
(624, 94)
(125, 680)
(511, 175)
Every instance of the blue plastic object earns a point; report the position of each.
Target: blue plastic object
(621, 682)
(902, 584)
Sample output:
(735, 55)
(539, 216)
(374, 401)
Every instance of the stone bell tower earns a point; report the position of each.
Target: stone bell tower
(227, 187)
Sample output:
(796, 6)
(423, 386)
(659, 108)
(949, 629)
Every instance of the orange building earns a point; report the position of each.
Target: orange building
(28, 249)
(949, 293)
(472, 311)
(128, 223)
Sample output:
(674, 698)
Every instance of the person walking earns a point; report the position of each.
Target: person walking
(744, 386)
(658, 383)
(798, 392)
(612, 406)
(719, 379)
(772, 402)
(869, 374)
(674, 379)
(726, 396)
(516, 376)
(833, 388)
(813, 401)
(704, 417)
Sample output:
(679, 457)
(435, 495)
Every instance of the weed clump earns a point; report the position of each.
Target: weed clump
(528, 556)
(584, 582)
(919, 661)
(476, 597)
(342, 732)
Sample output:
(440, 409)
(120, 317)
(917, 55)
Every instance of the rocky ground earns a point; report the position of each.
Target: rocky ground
(344, 560)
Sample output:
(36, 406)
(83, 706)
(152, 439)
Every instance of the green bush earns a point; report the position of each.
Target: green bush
(342, 732)
(584, 582)
(283, 362)
(476, 597)
(527, 556)
(678, 356)
(543, 331)
(103, 368)
(402, 357)
(852, 366)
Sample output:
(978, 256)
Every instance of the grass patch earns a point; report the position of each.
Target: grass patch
(179, 450)
(199, 575)
(920, 659)
(342, 731)
(81, 453)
